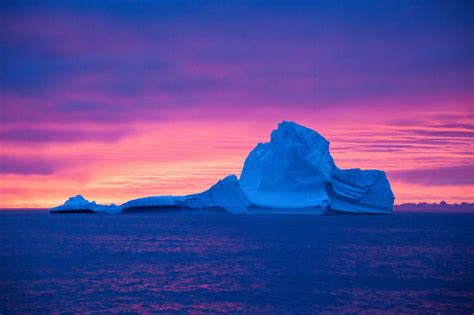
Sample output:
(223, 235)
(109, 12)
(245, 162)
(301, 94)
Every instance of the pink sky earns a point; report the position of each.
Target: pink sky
(117, 103)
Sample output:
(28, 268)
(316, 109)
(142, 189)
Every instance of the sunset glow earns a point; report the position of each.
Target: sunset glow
(125, 102)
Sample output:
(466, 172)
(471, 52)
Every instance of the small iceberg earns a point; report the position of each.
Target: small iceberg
(79, 204)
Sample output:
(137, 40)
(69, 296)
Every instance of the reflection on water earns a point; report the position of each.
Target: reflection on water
(245, 264)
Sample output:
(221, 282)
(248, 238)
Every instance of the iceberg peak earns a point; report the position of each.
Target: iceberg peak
(291, 131)
(78, 199)
(292, 170)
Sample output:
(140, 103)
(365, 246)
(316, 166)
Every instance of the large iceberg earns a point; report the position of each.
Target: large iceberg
(290, 171)
(293, 173)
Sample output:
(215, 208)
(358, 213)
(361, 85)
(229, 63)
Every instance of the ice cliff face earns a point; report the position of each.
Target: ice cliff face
(358, 191)
(293, 173)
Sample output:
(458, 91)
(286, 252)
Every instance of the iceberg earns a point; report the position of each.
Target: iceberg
(163, 202)
(293, 173)
(78, 204)
(224, 195)
(290, 171)
(359, 191)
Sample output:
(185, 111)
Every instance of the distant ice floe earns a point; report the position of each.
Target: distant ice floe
(293, 173)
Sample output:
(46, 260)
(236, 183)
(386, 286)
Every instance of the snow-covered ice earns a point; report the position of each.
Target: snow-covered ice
(152, 201)
(293, 173)
(225, 194)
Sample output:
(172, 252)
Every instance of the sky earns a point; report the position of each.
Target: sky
(122, 99)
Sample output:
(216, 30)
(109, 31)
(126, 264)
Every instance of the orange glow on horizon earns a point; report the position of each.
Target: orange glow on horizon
(188, 156)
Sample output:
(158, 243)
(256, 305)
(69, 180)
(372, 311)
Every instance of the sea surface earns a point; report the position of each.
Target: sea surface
(219, 263)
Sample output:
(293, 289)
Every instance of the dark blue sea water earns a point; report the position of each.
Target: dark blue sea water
(211, 263)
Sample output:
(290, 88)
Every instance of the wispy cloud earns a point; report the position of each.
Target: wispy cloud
(26, 165)
(30, 135)
(451, 175)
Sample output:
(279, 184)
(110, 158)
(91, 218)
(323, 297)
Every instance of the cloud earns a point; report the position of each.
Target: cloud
(445, 133)
(142, 65)
(27, 165)
(456, 125)
(36, 135)
(451, 175)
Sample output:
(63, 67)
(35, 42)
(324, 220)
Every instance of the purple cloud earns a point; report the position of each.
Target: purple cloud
(58, 135)
(139, 66)
(455, 126)
(445, 133)
(454, 175)
(26, 165)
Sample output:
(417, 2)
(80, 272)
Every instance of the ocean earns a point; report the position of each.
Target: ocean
(251, 264)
